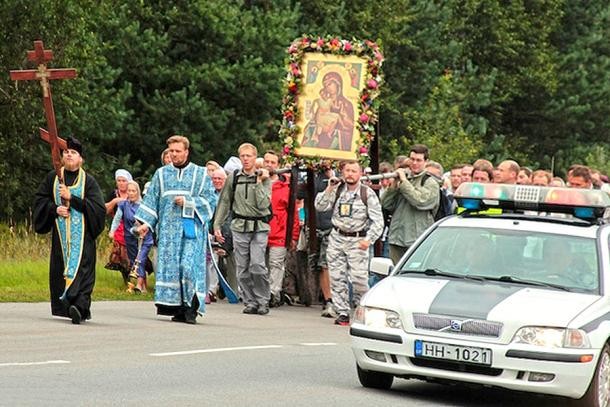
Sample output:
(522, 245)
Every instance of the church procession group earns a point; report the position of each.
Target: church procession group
(242, 207)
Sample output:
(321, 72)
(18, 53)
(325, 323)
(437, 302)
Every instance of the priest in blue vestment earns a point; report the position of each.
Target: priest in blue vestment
(178, 205)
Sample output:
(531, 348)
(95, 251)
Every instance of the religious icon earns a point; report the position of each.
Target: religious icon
(345, 210)
(331, 91)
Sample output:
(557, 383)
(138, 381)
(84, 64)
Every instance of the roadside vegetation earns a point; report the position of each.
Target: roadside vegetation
(24, 268)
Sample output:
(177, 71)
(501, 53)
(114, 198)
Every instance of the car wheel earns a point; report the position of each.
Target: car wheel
(598, 393)
(375, 380)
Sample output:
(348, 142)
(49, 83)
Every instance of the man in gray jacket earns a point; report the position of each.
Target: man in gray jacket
(412, 199)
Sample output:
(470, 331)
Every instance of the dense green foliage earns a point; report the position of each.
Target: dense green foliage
(472, 78)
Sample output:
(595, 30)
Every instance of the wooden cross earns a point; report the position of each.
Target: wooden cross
(41, 56)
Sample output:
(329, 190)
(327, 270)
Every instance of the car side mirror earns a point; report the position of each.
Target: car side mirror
(381, 265)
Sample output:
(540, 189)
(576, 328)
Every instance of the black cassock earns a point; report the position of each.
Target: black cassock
(45, 213)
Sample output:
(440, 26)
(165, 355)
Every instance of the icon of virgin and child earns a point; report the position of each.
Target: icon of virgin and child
(332, 117)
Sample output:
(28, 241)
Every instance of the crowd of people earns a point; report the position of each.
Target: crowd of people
(237, 222)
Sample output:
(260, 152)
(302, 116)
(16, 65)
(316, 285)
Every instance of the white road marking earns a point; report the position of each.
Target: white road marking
(48, 362)
(319, 344)
(192, 352)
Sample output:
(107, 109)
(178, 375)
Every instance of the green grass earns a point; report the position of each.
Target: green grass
(24, 269)
(28, 281)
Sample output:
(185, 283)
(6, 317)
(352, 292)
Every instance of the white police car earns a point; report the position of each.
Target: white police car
(514, 292)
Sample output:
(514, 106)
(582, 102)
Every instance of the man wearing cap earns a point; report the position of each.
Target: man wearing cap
(74, 212)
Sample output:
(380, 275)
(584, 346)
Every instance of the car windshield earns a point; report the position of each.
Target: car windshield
(529, 258)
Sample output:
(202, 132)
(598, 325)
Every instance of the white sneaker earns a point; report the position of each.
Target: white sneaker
(328, 311)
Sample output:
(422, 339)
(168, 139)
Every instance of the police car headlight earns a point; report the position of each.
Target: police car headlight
(552, 337)
(377, 318)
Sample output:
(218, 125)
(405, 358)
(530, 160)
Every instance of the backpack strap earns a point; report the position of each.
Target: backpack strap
(364, 196)
(233, 188)
(424, 178)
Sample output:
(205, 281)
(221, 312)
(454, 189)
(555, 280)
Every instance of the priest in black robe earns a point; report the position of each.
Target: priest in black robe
(74, 213)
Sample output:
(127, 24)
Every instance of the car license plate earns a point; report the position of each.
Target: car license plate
(466, 354)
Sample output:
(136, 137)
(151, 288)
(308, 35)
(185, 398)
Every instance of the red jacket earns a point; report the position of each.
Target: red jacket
(280, 193)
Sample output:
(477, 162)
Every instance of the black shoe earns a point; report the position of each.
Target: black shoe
(287, 299)
(263, 310)
(190, 316)
(274, 302)
(179, 318)
(221, 293)
(75, 315)
(250, 309)
(342, 320)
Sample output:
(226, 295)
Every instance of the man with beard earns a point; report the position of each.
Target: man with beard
(357, 224)
(74, 211)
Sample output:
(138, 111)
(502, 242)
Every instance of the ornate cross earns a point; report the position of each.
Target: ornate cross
(41, 56)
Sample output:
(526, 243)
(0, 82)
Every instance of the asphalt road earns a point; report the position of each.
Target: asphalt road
(126, 355)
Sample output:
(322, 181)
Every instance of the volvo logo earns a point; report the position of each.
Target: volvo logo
(456, 325)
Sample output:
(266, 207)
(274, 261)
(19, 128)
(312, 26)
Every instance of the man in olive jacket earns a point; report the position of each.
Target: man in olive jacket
(412, 198)
(246, 196)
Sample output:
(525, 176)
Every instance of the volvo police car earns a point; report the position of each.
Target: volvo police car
(513, 292)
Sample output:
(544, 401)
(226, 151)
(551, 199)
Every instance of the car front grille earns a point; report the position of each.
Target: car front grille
(440, 323)
(456, 367)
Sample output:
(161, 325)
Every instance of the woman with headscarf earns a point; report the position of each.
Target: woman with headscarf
(118, 257)
(125, 215)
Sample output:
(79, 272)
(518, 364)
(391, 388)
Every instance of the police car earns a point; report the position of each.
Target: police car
(514, 292)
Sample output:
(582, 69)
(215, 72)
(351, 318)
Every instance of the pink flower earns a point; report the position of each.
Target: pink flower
(295, 69)
(286, 149)
(347, 46)
(292, 49)
(378, 56)
(371, 84)
(320, 42)
(363, 150)
(364, 118)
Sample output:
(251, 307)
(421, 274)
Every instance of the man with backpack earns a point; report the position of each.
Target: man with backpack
(247, 197)
(357, 223)
(413, 200)
(446, 206)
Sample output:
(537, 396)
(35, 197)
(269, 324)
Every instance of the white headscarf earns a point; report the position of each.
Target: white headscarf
(123, 173)
(232, 164)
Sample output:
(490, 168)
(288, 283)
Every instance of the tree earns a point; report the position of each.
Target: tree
(77, 102)
(208, 69)
(438, 123)
(579, 112)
